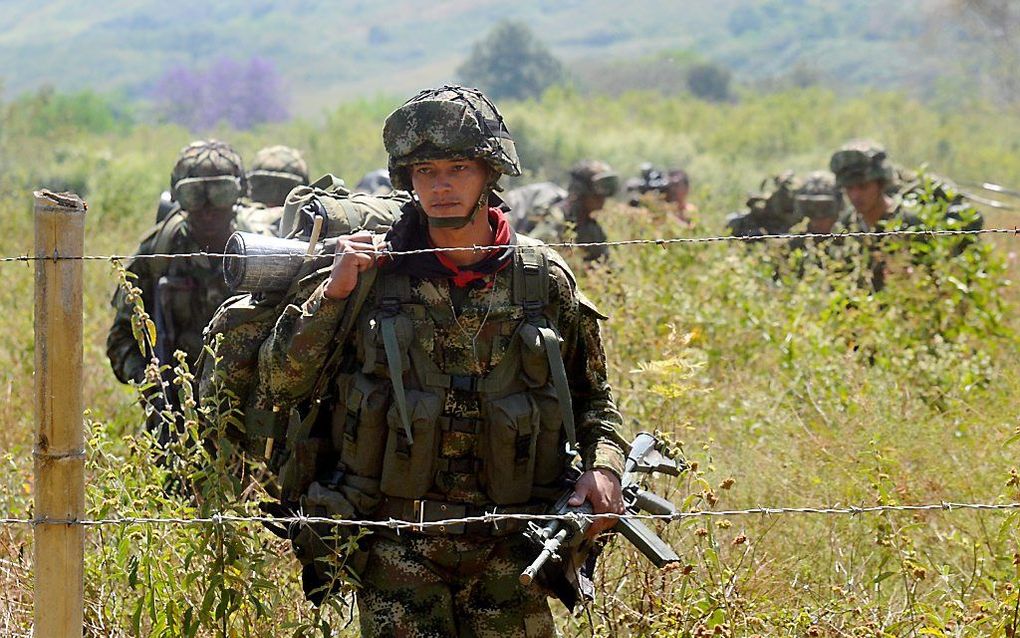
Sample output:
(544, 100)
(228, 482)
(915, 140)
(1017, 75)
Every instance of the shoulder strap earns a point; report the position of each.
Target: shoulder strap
(531, 291)
(162, 236)
(396, 290)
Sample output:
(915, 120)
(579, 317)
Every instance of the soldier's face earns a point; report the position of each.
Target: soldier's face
(592, 202)
(865, 196)
(678, 192)
(449, 188)
(821, 225)
(210, 217)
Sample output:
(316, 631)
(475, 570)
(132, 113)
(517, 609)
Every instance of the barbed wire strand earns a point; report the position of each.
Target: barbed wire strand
(495, 516)
(662, 241)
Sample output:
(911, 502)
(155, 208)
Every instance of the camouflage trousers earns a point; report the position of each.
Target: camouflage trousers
(423, 586)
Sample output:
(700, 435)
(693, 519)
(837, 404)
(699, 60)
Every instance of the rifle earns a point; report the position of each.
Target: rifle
(166, 338)
(562, 541)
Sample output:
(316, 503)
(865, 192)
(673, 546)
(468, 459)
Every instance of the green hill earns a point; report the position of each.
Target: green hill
(332, 51)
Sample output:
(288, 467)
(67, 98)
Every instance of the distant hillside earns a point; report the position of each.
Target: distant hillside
(334, 50)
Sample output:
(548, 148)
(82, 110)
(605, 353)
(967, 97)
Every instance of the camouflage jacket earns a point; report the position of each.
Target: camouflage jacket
(181, 295)
(560, 224)
(467, 333)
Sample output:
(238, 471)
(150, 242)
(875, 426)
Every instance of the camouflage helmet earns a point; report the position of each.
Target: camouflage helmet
(860, 161)
(818, 196)
(593, 177)
(207, 159)
(275, 171)
(450, 122)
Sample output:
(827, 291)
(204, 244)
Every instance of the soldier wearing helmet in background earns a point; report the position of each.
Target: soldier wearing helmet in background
(469, 374)
(181, 295)
(885, 198)
(375, 182)
(275, 171)
(591, 183)
(557, 217)
(867, 177)
(771, 211)
(820, 201)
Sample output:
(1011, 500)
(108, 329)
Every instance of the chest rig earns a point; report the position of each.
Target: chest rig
(427, 417)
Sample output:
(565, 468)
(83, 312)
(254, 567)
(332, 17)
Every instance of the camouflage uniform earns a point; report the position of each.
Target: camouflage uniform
(536, 210)
(914, 201)
(769, 212)
(488, 429)
(588, 178)
(180, 294)
(375, 182)
(275, 171)
(820, 201)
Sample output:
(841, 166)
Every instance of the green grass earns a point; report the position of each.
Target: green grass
(801, 391)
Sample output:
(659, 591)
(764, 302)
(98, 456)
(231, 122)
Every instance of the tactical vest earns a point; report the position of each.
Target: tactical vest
(187, 291)
(396, 418)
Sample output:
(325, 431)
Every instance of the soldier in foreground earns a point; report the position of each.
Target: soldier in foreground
(466, 378)
(181, 295)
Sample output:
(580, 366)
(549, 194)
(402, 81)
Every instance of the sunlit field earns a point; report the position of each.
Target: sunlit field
(785, 384)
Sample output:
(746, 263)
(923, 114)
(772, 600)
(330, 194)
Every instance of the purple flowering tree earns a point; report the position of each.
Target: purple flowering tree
(240, 93)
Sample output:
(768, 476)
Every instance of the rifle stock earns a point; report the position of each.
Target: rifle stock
(647, 542)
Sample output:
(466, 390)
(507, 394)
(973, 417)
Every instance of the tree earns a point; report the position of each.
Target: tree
(709, 81)
(243, 94)
(511, 63)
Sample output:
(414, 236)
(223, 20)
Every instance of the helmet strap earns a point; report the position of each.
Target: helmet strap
(462, 221)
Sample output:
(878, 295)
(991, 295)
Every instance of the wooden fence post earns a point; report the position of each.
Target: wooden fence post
(59, 444)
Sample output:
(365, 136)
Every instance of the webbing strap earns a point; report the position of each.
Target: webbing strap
(388, 324)
(343, 331)
(559, 377)
(531, 289)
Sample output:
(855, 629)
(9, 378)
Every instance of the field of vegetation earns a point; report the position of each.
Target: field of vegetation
(785, 383)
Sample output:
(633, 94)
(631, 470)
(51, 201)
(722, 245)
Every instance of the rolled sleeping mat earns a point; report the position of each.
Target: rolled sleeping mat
(263, 263)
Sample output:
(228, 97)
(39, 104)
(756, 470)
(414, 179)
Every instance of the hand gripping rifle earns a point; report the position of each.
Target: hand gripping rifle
(563, 542)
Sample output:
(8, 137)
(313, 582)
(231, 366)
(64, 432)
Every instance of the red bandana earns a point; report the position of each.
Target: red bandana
(492, 262)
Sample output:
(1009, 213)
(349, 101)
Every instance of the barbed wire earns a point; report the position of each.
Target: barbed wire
(661, 241)
(495, 517)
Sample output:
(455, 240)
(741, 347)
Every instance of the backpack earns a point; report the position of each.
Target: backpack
(529, 204)
(229, 391)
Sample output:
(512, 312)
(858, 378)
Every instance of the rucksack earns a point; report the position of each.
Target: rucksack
(229, 391)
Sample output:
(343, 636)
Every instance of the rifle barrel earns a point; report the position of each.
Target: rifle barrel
(548, 551)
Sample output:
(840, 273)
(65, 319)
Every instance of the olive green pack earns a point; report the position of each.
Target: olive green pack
(229, 391)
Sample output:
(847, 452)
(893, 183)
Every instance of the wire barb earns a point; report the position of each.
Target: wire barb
(659, 241)
(494, 517)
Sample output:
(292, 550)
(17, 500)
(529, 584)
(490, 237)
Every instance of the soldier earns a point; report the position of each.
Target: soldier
(181, 294)
(867, 177)
(275, 171)
(678, 187)
(375, 182)
(467, 377)
(820, 201)
(674, 185)
(769, 212)
(591, 183)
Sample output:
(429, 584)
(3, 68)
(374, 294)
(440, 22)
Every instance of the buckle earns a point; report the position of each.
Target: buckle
(390, 306)
(463, 383)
